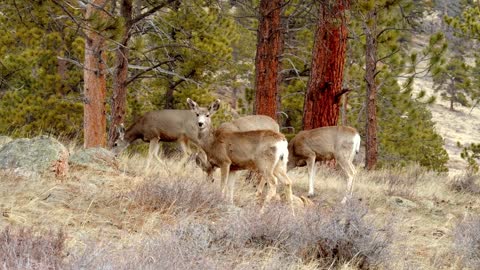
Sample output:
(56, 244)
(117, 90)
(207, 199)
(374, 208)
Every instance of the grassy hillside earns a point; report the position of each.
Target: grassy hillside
(170, 218)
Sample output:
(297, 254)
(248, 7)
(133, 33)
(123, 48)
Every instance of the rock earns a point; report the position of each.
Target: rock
(4, 140)
(402, 202)
(34, 157)
(99, 159)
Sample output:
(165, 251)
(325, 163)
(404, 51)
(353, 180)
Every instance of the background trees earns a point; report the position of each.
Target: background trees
(156, 53)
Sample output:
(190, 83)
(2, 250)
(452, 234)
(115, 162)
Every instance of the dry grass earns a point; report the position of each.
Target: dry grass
(171, 218)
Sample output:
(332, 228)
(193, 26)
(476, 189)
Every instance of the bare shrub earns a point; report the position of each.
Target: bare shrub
(187, 245)
(466, 183)
(466, 237)
(340, 235)
(184, 245)
(177, 195)
(23, 249)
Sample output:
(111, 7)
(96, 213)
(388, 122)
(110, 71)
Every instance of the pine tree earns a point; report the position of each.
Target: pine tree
(267, 60)
(403, 122)
(94, 76)
(452, 80)
(325, 84)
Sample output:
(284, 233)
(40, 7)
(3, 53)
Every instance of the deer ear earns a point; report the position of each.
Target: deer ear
(193, 105)
(214, 106)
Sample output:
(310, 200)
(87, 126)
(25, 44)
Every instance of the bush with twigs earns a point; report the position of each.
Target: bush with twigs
(467, 241)
(341, 235)
(177, 196)
(23, 249)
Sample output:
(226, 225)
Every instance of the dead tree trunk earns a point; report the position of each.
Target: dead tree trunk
(321, 106)
(371, 144)
(94, 80)
(270, 38)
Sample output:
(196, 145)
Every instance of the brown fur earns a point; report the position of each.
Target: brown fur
(320, 144)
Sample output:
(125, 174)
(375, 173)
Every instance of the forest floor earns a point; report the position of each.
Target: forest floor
(170, 218)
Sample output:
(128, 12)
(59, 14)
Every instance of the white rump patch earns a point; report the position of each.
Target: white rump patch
(356, 144)
(281, 154)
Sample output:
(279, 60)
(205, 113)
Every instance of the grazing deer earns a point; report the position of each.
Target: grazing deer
(336, 142)
(265, 151)
(244, 123)
(159, 126)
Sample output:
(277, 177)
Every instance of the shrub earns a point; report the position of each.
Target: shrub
(23, 249)
(467, 241)
(340, 235)
(466, 183)
(177, 196)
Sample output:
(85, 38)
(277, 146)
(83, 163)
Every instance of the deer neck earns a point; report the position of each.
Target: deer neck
(206, 138)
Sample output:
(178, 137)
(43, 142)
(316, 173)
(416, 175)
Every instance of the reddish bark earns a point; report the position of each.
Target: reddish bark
(321, 106)
(269, 45)
(119, 98)
(371, 145)
(95, 86)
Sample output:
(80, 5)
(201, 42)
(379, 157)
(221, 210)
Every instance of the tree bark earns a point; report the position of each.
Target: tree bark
(269, 44)
(119, 98)
(94, 80)
(371, 145)
(321, 106)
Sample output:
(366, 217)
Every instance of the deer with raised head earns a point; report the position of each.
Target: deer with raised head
(244, 123)
(265, 151)
(160, 126)
(325, 143)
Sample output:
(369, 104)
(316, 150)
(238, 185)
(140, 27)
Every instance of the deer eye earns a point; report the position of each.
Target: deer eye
(198, 114)
(115, 144)
(208, 115)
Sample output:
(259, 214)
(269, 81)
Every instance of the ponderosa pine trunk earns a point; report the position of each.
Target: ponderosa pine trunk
(371, 144)
(95, 85)
(321, 106)
(119, 97)
(267, 60)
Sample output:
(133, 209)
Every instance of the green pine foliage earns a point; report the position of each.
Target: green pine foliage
(39, 92)
(195, 42)
(468, 22)
(471, 154)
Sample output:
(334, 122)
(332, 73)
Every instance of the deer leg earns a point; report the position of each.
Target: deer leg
(184, 148)
(281, 173)
(152, 151)
(231, 185)
(272, 188)
(311, 175)
(260, 188)
(349, 170)
(224, 172)
(156, 150)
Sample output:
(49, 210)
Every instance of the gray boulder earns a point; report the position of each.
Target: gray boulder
(99, 159)
(33, 157)
(402, 202)
(4, 140)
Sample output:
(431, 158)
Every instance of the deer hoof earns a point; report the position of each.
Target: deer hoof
(310, 195)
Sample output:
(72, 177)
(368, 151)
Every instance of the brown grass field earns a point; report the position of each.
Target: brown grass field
(171, 218)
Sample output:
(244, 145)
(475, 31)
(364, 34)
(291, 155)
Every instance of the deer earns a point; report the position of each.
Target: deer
(265, 151)
(341, 143)
(244, 123)
(159, 126)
